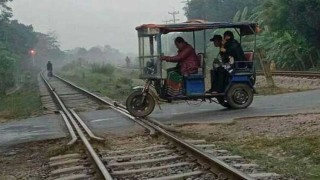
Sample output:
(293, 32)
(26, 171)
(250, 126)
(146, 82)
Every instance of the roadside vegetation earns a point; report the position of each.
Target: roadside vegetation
(23, 101)
(291, 39)
(105, 79)
(287, 145)
(23, 51)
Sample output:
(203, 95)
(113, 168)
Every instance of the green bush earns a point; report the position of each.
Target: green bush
(7, 64)
(124, 80)
(106, 69)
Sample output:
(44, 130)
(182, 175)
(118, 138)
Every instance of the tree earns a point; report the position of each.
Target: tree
(5, 11)
(292, 39)
(7, 61)
(16, 40)
(47, 48)
(218, 10)
(291, 28)
(302, 17)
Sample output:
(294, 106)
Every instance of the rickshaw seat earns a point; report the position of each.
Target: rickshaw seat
(245, 66)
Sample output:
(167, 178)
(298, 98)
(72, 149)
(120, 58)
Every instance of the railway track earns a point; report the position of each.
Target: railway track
(165, 157)
(304, 74)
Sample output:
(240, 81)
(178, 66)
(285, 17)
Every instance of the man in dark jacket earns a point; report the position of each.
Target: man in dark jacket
(219, 75)
(232, 49)
(49, 69)
(231, 52)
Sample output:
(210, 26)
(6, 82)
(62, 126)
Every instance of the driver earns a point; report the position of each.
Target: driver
(188, 63)
(187, 59)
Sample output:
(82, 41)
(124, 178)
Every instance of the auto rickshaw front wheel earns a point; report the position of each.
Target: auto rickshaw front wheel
(240, 96)
(140, 104)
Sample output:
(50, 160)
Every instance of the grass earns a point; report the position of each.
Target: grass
(292, 157)
(23, 103)
(106, 69)
(105, 79)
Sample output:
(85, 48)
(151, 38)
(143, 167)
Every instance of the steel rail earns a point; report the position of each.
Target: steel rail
(87, 144)
(151, 130)
(72, 133)
(85, 127)
(216, 165)
(74, 137)
(294, 73)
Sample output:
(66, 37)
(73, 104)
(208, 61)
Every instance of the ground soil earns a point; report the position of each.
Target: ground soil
(29, 161)
(277, 126)
(288, 145)
(132, 142)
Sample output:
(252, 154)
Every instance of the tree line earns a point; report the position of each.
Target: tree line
(16, 42)
(97, 54)
(290, 28)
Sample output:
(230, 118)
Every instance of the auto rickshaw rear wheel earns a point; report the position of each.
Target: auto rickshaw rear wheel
(240, 96)
(140, 104)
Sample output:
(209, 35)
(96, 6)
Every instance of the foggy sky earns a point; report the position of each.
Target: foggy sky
(88, 23)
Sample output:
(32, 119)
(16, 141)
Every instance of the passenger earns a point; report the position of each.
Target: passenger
(219, 75)
(188, 62)
(49, 69)
(232, 49)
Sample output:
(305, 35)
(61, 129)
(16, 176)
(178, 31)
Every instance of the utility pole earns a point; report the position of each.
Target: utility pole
(173, 14)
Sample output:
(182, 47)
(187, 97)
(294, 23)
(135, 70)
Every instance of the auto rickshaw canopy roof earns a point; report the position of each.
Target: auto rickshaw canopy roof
(246, 28)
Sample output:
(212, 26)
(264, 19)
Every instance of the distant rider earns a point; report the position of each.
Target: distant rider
(49, 69)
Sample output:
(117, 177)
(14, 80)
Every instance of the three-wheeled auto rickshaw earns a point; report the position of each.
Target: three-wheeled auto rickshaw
(239, 92)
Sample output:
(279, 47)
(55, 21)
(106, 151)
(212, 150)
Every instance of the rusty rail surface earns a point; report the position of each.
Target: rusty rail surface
(217, 166)
(305, 74)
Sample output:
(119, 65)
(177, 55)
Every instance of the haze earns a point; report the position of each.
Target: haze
(87, 23)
